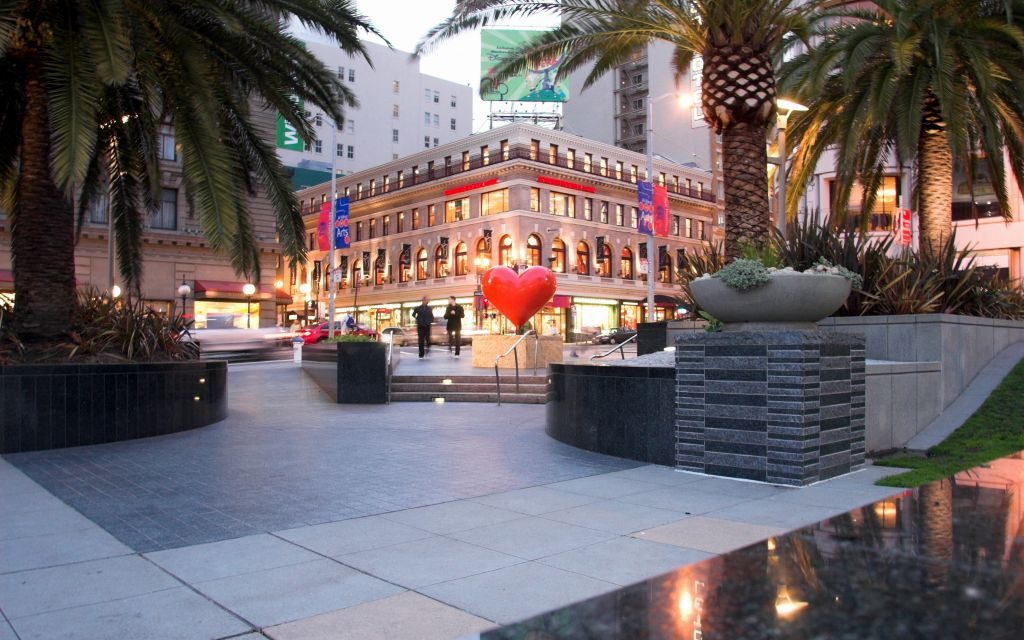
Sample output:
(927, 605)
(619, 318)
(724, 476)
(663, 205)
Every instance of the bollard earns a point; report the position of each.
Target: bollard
(297, 350)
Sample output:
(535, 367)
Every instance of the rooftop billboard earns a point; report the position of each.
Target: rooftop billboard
(534, 85)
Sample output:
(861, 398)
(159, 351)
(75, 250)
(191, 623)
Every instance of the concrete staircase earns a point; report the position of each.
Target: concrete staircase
(472, 388)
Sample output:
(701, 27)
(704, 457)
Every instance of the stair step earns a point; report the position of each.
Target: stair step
(436, 387)
(523, 379)
(509, 398)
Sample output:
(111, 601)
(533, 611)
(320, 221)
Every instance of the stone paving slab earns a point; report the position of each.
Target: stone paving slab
(711, 535)
(624, 560)
(429, 561)
(215, 560)
(531, 538)
(350, 536)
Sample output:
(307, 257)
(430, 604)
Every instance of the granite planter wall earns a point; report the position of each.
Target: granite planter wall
(350, 372)
(51, 406)
(487, 348)
(624, 411)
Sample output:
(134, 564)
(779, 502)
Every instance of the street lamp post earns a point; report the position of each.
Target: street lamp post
(334, 204)
(482, 263)
(248, 289)
(184, 291)
(304, 290)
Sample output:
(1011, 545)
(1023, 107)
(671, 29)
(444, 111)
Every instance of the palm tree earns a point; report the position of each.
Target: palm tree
(87, 84)
(916, 81)
(738, 40)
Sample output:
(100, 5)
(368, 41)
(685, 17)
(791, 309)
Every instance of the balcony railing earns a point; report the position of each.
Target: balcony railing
(514, 152)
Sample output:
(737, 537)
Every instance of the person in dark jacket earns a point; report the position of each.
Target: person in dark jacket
(424, 318)
(454, 314)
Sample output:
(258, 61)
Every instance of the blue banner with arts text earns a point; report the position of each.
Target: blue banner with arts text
(341, 235)
(645, 198)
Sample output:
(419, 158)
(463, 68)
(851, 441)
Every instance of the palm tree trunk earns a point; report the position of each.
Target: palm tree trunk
(744, 162)
(935, 186)
(43, 226)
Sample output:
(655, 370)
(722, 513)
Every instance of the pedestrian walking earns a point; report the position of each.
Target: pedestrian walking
(424, 318)
(454, 314)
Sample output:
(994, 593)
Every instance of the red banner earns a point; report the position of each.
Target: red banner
(565, 184)
(901, 228)
(323, 226)
(661, 211)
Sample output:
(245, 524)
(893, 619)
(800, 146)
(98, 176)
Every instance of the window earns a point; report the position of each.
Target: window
(395, 86)
(689, 187)
(483, 254)
(385, 227)
(880, 217)
(588, 209)
(485, 155)
(394, 111)
(494, 202)
(378, 271)
(637, 79)
(167, 150)
(604, 261)
(426, 118)
(534, 199)
(700, 189)
(618, 170)
(447, 165)
(404, 268)
(461, 259)
(318, 146)
(700, 230)
(553, 154)
(357, 271)
(437, 97)
(626, 264)
(558, 253)
(440, 262)
(437, 121)
(533, 250)
(415, 219)
(341, 73)
(359, 191)
(394, 135)
(401, 179)
(421, 264)
(675, 225)
(604, 166)
(619, 217)
(452, 124)
(339, 150)
(453, 101)
(505, 251)
(359, 231)
(351, 75)
(373, 226)
(166, 217)
(426, 142)
(638, 103)
(373, 186)
(632, 173)
(456, 210)
(465, 161)
(435, 142)
(604, 213)
(675, 183)
(661, 178)
(318, 120)
(504, 150)
(351, 126)
(534, 149)
(588, 162)
(570, 158)
(426, 95)
(430, 170)
(665, 268)
(689, 228)
(400, 222)
(634, 215)
(351, 152)
(562, 204)
(638, 129)
(583, 259)
(431, 215)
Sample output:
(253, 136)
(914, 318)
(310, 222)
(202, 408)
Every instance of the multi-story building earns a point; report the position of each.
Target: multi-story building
(429, 224)
(401, 111)
(175, 252)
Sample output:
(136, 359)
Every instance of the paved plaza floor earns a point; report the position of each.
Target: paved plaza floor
(298, 518)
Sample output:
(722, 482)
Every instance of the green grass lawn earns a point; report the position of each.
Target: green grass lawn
(995, 430)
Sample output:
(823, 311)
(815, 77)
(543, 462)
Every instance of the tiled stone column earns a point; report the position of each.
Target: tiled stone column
(785, 407)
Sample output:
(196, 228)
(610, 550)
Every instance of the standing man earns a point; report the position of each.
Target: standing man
(454, 314)
(424, 318)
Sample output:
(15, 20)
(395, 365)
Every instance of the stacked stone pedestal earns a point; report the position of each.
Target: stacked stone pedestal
(785, 406)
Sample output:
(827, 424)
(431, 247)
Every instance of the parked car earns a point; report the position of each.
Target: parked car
(398, 336)
(614, 336)
(319, 333)
(439, 335)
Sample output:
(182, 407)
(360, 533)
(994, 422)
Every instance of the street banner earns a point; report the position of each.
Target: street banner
(661, 211)
(341, 231)
(901, 228)
(323, 240)
(645, 197)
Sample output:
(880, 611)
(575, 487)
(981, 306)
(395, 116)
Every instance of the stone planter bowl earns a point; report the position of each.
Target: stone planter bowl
(793, 299)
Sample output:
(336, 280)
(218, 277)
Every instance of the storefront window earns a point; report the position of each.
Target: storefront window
(985, 202)
(456, 210)
(494, 202)
(562, 204)
(558, 253)
(461, 259)
(404, 268)
(879, 218)
(626, 264)
(215, 314)
(505, 251)
(583, 259)
(421, 264)
(533, 251)
(604, 262)
(440, 262)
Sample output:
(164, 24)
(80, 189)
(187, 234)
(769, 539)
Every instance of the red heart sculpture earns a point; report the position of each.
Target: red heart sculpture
(518, 296)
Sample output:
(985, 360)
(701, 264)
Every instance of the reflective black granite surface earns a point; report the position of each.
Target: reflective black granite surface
(942, 561)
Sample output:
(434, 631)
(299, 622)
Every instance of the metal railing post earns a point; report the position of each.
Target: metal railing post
(497, 382)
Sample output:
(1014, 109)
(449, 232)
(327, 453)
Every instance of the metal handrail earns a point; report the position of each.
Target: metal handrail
(387, 368)
(618, 348)
(515, 354)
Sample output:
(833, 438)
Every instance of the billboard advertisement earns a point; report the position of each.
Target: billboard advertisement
(287, 136)
(533, 85)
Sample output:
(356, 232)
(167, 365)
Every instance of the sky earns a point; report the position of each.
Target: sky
(405, 22)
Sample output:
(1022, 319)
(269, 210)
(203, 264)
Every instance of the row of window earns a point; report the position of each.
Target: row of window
(435, 97)
(351, 74)
(164, 218)
(458, 263)
(434, 118)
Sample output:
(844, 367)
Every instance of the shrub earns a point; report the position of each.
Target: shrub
(744, 274)
(350, 337)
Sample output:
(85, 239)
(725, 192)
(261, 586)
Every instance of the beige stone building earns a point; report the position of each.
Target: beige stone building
(175, 252)
(429, 224)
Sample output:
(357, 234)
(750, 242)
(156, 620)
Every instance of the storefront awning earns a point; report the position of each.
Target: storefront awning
(228, 290)
(561, 302)
(6, 277)
(661, 300)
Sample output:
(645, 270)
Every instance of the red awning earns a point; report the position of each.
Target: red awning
(233, 290)
(6, 276)
(561, 302)
(660, 300)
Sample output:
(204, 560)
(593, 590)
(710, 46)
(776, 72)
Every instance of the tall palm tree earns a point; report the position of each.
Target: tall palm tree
(85, 86)
(912, 81)
(738, 40)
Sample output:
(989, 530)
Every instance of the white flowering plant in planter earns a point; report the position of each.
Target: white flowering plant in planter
(745, 274)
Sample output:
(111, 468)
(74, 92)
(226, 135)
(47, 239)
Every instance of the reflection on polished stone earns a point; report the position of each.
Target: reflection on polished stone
(942, 561)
